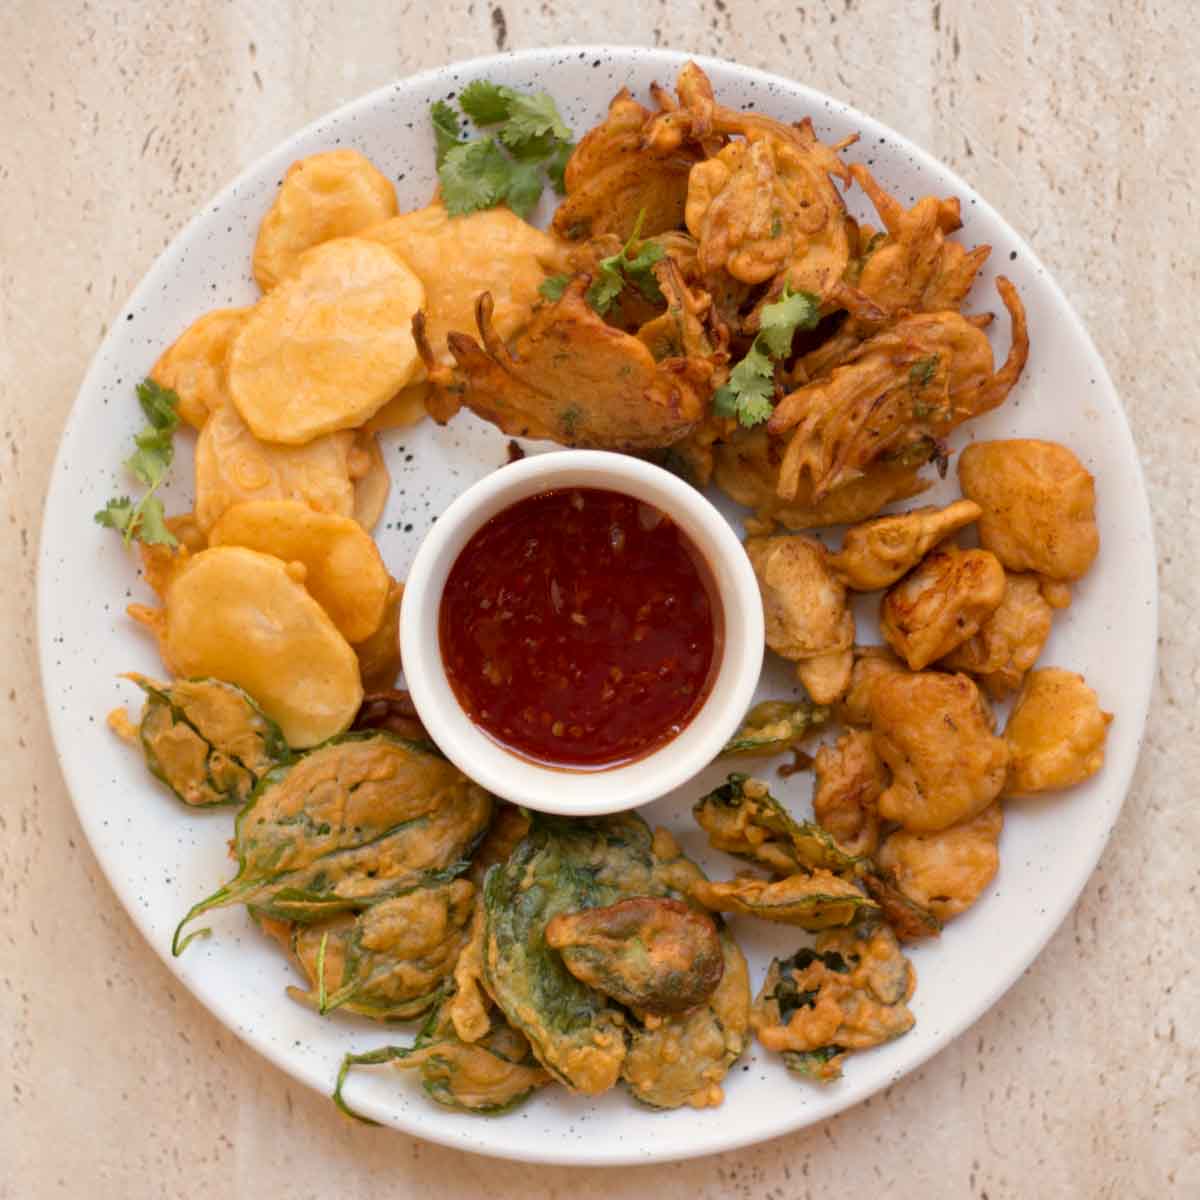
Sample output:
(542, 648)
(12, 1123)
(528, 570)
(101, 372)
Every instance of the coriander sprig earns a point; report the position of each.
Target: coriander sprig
(531, 143)
(750, 393)
(632, 265)
(144, 519)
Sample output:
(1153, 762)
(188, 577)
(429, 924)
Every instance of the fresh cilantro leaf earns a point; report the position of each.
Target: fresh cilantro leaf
(524, 188)
(160, 405)
(553, 286)
(557, 165)
(116, 514)
(607, 284)
(149, 464)
(445, 129)
(486, 103)
(638, 269)
(474, 175)
(152, 524)
(752, 384)
(532, 116)
(780, 320)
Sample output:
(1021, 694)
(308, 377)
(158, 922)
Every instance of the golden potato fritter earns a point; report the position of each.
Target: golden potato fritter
(1039, 505)
(1056, 733)
(1009, 641)
(804, 605)
(571, 378)
(850, 778)
(945, 872)
(875, 554)
(193, 366)
(941, 604)
(935, 734)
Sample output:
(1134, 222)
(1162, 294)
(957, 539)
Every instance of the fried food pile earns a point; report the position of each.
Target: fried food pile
(703, 297)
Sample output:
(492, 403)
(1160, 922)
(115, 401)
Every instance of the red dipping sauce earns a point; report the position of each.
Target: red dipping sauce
(581, 628)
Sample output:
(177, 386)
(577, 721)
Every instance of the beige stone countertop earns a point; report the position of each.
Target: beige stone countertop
(1079, 121)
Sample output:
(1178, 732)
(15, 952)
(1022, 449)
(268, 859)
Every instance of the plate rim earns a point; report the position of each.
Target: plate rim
(618, 54)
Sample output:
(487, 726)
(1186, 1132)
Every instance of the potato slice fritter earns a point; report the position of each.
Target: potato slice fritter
(571, 378)
(945, 872)
(1056, 733)
(875, 554)
(1039, 505)
(232, 465)
(804, 605)
(651, 954)
(459, 258)
(329, 346)
(329, 195)
(1009, 641)
(344, 571)
(941, 604)
(193, 366)
(934, 732)
(242, 616)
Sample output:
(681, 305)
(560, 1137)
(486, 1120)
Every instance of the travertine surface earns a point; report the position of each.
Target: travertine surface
(1080, 121)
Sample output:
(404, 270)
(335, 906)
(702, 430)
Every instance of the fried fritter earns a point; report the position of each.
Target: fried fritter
(811, 900)
(652, 954)
(849, 992)
(934, 732)
(942, 603)
(1039, 505)
(747, 471)
(871, 664)
(1056, 733)
(1009, 641)
(571, 378)
(947, 871)
(875, 554)
(774, 726)
(804, 605)
(193, 366)
(912, 384)
(614, 179)
(849, 781)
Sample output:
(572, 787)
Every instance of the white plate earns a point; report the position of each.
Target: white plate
(160, 858)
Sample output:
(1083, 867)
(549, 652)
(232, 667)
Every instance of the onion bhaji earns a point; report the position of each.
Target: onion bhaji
(1039, 505)
(941, 604)
(1055, 733)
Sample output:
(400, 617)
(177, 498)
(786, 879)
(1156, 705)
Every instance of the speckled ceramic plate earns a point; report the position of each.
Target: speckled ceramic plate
(160, 858)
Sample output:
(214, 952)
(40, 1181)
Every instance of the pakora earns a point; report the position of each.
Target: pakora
(934, 733)
(850, 778)
(1039, 506)
(804, 606)
(941, 604)
(773, 726)
(945, 872)
(1055, 733)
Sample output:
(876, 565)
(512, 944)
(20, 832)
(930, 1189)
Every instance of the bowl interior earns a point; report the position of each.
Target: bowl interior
(549, 789)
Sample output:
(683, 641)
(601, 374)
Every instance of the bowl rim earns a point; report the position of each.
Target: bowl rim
(557, 790)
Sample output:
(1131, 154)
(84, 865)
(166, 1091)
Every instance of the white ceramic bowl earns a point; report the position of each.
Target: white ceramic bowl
(556, 790)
